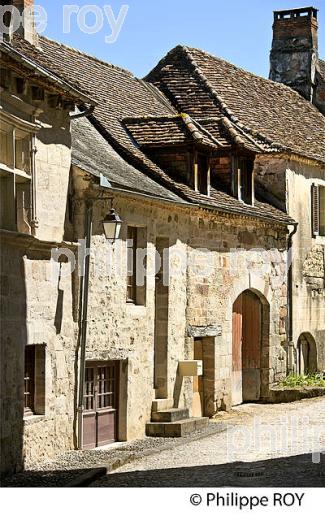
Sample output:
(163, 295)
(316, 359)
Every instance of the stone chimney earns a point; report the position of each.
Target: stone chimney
(294, 54)
(27, 28)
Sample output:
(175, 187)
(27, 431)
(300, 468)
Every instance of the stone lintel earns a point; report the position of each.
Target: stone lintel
(201, 332)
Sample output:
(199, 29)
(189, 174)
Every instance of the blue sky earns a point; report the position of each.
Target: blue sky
(239, 31)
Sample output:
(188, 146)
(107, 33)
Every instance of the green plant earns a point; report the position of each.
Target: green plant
(296, 380)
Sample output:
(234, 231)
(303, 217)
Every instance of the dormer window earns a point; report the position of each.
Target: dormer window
(202, 174)
(245, 181)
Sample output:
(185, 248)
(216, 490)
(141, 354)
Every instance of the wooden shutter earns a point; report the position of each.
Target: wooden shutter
(315, 209)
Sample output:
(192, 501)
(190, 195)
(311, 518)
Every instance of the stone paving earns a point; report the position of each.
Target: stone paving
(73, 466)
(265, 445)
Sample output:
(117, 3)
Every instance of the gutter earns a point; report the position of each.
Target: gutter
(247, 215)
(139, 195)
(290, 344)
(85, 113)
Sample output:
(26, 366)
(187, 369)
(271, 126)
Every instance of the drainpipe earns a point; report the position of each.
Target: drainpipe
(84, 284)
(290, 344)
(34, 221)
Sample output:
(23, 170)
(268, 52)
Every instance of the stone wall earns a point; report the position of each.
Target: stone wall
(36, 307)
(212, 259)
(53, 159)
(308, 262)
(290, 181)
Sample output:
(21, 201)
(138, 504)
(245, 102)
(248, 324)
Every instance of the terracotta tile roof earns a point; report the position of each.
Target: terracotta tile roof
(273, 115)
(170, 131)
(120, 95)
(107, 162)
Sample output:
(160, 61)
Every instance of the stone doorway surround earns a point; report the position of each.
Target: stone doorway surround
(203, 339)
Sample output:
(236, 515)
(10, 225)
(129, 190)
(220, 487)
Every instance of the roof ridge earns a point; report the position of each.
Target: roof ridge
(90, 56)
(204, 130)
(156, 92)
(222, 104)
(241, 69)
(191, 127)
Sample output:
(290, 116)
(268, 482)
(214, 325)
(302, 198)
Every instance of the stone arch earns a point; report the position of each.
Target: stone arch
(250, 346)
(306, 354)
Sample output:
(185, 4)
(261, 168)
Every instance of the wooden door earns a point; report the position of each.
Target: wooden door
(252, 336)
(246, 348)
(101, 403)
(198, 388)
(237, 341)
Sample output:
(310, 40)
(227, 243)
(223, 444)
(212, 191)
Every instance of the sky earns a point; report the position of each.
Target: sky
(239, 31)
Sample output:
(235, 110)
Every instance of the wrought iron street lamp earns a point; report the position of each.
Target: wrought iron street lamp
(112, 224)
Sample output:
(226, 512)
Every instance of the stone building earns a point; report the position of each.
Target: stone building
(190, 310)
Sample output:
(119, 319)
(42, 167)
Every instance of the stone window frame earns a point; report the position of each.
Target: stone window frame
(37, 386)
(16, 173)
(139, 296)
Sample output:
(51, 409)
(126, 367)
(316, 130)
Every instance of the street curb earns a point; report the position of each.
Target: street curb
(87, 478)
(92, 475)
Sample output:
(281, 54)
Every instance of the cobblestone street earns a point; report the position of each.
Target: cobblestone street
(264, 445)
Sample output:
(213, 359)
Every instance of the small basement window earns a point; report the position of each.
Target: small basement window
(34, 380)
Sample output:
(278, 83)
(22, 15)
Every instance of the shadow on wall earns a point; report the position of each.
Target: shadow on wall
(13, 342)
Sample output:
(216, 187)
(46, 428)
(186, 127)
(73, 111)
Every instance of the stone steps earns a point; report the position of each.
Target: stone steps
(176, 429)
(160, 405)
(172, 415)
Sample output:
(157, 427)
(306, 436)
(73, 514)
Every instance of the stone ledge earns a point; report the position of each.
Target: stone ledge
(32, 419)
(288, 395)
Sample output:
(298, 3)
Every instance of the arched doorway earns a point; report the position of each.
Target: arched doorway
(248, 326)
(307, 354)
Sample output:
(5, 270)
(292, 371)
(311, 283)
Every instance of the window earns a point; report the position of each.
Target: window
(318, 209)
(132, 264)
(34, 380)
(29, 380)
(15, 178)
(202, 174)
(136, 265)
(245, 181)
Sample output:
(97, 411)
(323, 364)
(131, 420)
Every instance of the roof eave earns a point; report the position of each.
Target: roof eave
(48, 75)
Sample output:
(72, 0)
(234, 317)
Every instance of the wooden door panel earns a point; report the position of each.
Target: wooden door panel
(89, 430)
(106, 429)
(251, 331)
(252, 323)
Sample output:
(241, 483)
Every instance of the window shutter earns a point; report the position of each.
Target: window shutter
(315, 209)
